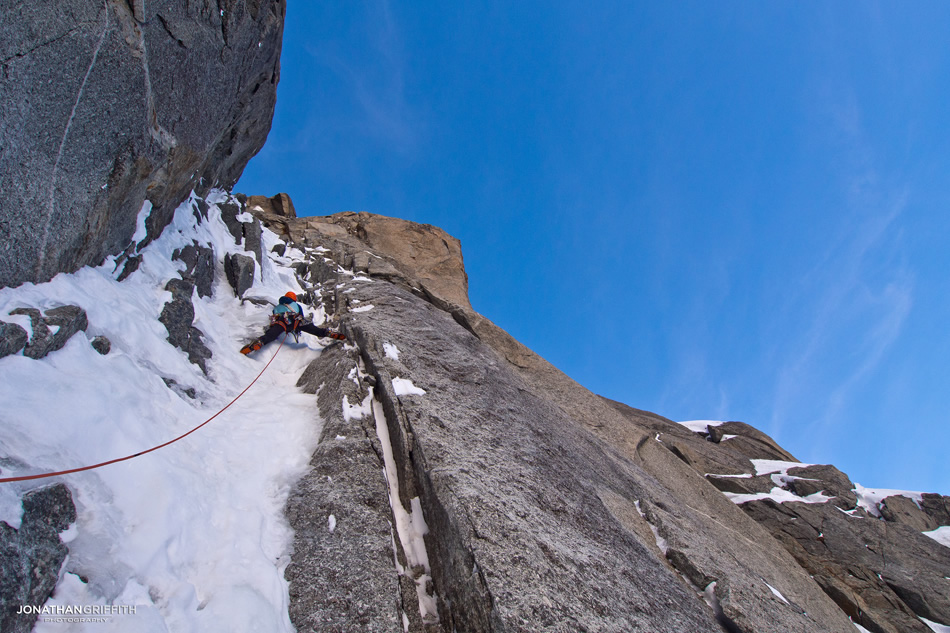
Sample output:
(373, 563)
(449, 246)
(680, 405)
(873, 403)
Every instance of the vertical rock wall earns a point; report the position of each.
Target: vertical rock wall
(105, 104)
(545, 507)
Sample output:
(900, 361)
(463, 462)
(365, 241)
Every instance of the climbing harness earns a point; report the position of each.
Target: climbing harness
(154, 448)
(289, 320)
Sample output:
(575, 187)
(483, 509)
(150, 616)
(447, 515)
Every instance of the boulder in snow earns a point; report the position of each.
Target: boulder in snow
(240, 272)
(66, 319)
(102, 345)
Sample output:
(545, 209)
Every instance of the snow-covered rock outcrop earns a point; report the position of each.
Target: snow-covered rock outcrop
(872, 551)
(191, 536)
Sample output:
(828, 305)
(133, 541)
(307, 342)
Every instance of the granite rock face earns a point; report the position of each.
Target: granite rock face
(342, 576)
(108, 104)
(519, 535)
(13, 338)
(423, 258)
(31, 556)
(545, 507)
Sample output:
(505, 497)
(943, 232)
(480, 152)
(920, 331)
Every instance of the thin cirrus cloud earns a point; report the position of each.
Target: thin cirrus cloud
(860, 301)
(372, 101)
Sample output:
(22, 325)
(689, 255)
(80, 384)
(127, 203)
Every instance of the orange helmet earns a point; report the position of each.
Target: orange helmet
(291, 295)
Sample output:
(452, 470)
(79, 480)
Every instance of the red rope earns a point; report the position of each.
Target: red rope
(154, 448)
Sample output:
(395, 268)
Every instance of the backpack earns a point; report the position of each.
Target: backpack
(288, 314)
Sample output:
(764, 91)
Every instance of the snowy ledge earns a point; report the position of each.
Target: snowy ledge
(779, 495)
(701, 426)
(871, 498)
(941, 535)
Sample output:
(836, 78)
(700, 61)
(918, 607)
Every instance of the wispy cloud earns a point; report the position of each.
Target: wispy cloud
(895, 305)
(376, 80)
(856, 299)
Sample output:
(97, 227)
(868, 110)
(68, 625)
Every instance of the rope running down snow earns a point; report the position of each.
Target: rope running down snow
(154, 448)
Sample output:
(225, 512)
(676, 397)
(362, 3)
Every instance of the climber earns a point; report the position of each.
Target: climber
(288, 317)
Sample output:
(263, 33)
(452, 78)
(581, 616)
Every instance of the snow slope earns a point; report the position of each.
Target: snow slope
(193, 534)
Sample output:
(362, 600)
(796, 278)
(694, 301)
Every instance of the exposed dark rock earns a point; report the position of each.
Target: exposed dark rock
(715, 433)
(199, 263)
(31, 557)
(41, 337)
(937, 507)
(706, 459)
(818, 478)
(48, 510)
(239, 270)
(923, 603)
(280, 205)
(102, 345)
(172, 384)
(900, 509)
(131, 265)
(867, 600)
(66, 319)
(252, 238)
(139, 101)
(741, 485)
(229, 213)
(867, 565)
(177, 316)
(260, 301)
(201, 209)
(69, 319)
(882, 573)
(751, 442)
(13, 338)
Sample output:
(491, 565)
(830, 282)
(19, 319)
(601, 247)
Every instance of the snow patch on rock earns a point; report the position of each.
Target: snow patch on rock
(941, 535)
(404, 387)
(391, 351)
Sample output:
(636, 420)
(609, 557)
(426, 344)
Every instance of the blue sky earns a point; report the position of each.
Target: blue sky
(722, 210)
